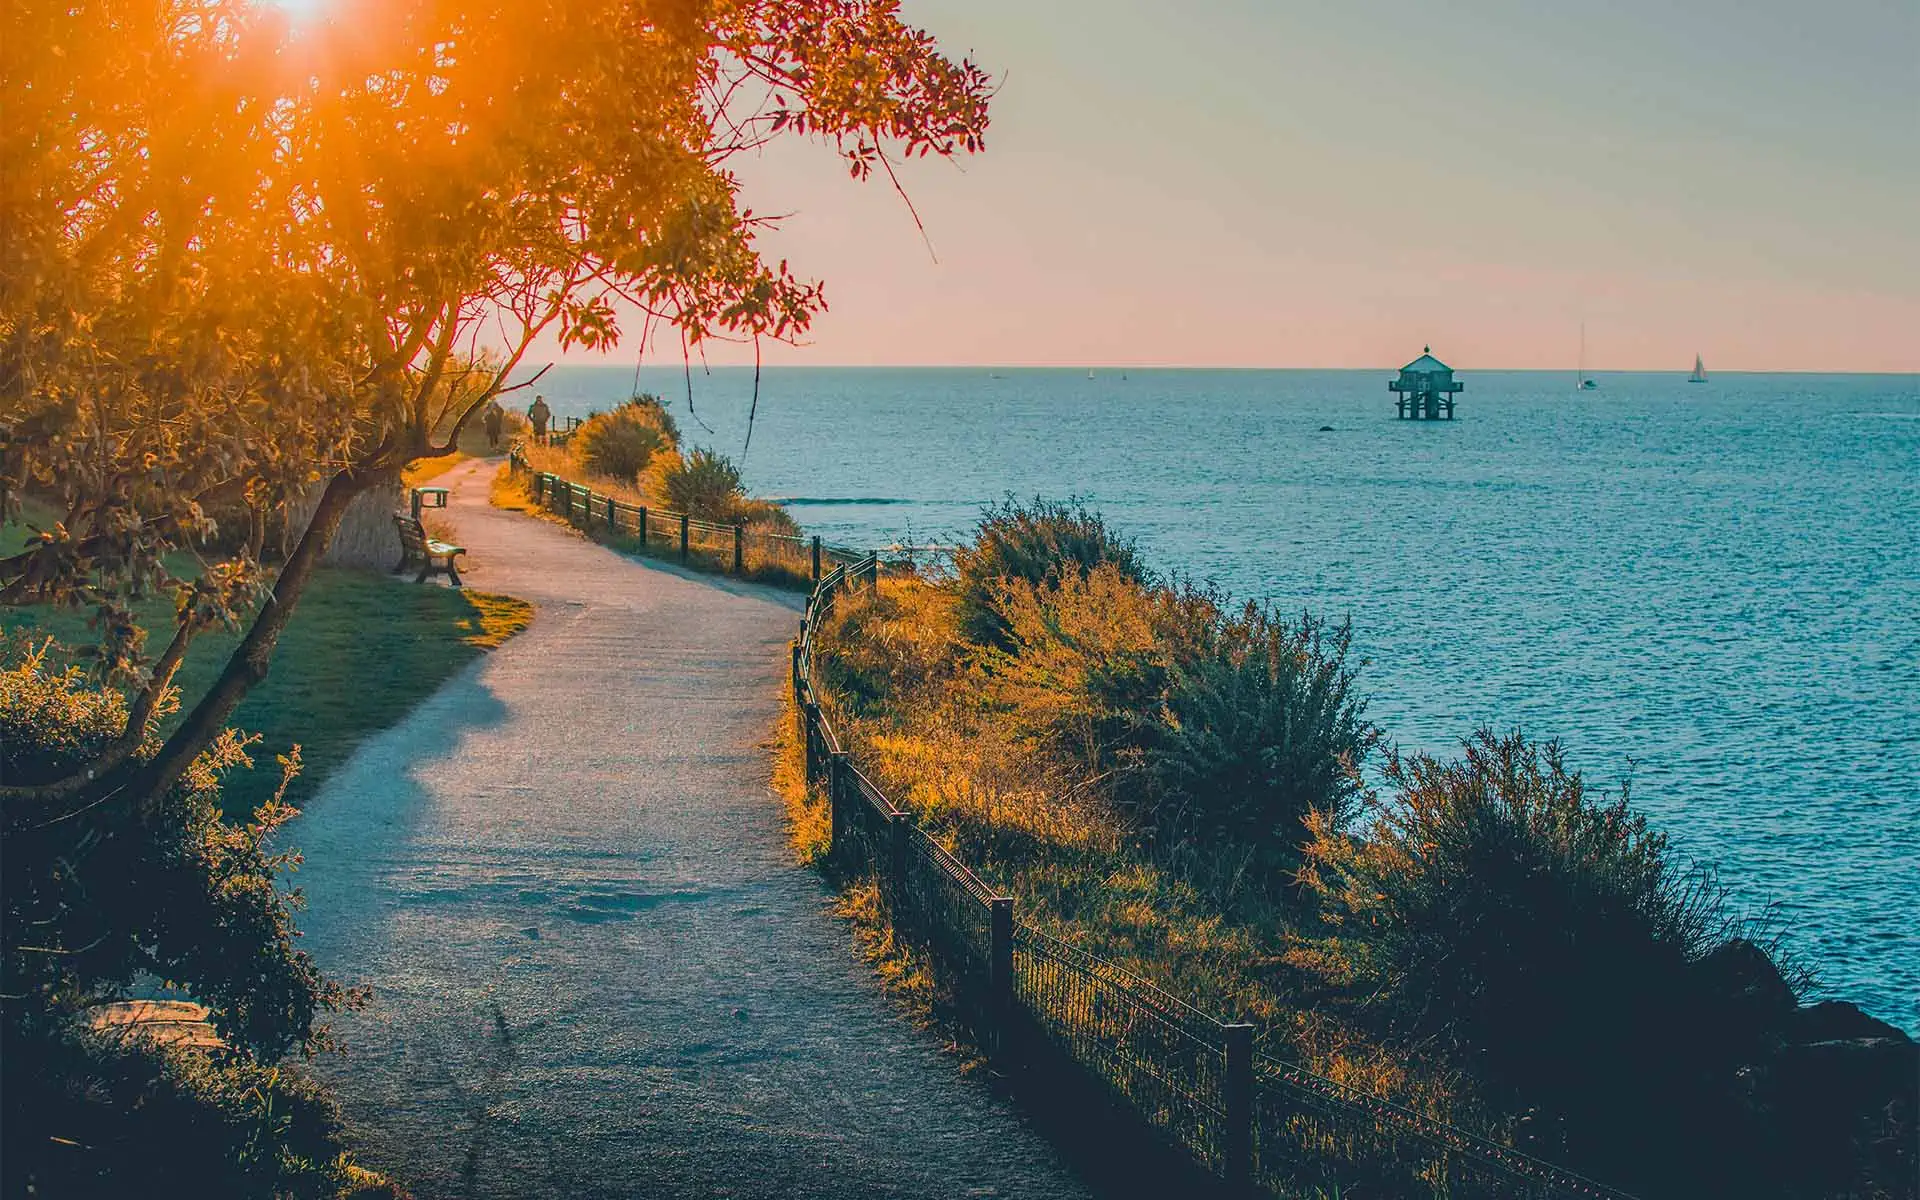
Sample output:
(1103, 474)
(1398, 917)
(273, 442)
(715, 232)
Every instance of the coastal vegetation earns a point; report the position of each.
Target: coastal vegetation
(255, 264)
(1191, 789)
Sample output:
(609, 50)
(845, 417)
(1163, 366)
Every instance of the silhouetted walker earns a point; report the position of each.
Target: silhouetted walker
(1426, 388)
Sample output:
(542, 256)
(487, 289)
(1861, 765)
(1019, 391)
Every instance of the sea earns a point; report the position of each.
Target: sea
(1710, 592)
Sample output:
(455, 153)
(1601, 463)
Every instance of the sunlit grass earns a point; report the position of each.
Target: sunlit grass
(359, 653)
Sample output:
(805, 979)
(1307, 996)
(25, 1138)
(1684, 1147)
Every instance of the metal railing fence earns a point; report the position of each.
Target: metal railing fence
(1260, 1125)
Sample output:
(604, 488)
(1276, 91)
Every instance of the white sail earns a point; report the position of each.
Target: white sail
(1699, 371)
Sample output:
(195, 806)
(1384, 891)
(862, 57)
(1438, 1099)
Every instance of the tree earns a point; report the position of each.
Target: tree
(242, 256)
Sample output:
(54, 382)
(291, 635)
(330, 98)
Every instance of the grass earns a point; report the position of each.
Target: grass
(361, 650)
(425, 470)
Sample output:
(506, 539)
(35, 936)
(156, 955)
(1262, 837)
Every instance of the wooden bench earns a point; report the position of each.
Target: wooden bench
(415, 544)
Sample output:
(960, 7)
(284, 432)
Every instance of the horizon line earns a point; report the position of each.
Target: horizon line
(1122, 367)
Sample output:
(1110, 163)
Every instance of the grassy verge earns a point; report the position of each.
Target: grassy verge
(361, 650)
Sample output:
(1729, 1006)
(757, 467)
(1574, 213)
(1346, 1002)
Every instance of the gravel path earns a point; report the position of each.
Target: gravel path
(597, 970)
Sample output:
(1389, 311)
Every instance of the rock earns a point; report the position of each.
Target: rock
(1875, 1069)
(1842, 1115)
(1839, 1021)
(1743, 973)
(1326, 429)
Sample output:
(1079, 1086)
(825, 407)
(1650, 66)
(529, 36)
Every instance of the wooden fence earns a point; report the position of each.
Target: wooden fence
(732, 548)
(1259, 1125)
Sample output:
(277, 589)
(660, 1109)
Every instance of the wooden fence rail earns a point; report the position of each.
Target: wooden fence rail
(715, 545)
(1259, 1125)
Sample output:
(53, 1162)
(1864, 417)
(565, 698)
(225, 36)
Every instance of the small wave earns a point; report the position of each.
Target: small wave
(838, 500)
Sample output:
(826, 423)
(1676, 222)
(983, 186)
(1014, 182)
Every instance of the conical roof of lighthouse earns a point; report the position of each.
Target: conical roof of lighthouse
(1426, 362)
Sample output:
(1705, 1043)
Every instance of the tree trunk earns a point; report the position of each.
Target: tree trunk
(248, 664)
(366, 538)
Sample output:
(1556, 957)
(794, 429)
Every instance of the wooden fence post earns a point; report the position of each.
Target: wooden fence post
(836, 772)
(1000, 973)
(816, 558)
(1238, 1097)
(739, 550)
(613, 515)
(683, 537)
(809, 742)
(643, 527)
(897, 863)
(539, 487)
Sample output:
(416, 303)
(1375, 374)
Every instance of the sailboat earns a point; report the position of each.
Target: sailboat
(1699, 371)
(1580, 379)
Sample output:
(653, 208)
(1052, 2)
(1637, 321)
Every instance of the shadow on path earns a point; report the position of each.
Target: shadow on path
(597, 971)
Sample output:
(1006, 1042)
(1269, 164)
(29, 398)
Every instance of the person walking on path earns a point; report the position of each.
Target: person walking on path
(494, 420)
(540, 415)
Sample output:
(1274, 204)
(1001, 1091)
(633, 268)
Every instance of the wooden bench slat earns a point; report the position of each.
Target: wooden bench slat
(415, 544)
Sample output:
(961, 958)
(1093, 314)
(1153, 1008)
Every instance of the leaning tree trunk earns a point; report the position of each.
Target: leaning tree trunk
(366, 537)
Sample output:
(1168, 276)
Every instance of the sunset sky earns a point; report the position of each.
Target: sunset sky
(1234, 182)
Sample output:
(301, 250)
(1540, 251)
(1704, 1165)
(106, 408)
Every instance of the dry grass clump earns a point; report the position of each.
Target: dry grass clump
(621, 444)
(1038, 542)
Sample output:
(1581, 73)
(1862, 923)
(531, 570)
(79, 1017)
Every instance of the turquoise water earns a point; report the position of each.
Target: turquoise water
(1711, 590)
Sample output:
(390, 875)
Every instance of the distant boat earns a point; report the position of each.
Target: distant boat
(1089, 372)
(1581, 380)
(1699, 371)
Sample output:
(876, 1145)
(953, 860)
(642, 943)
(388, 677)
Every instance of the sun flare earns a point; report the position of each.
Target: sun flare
(300, 12)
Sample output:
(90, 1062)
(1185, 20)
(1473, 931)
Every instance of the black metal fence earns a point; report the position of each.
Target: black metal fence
(1256, 1123)
(733, 548)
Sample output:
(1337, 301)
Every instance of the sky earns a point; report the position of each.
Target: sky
(1337, 183)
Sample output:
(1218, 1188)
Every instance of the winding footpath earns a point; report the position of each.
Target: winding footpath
(597, 970)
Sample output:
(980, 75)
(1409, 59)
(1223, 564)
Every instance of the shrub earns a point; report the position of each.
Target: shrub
(1260, 727)
(765, 516)
(1086, 666)
(1549, 941)
(140, 1118)
(1041, 543)
(704, 485)
(92, 900)
(888, 649)
(620, 444)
